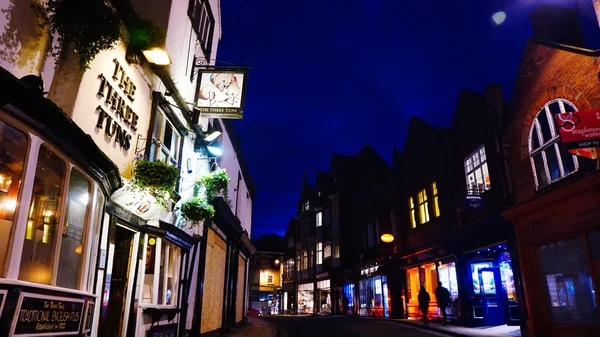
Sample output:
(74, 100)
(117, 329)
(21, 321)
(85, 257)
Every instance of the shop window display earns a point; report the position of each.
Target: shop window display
(488, 279)
(372, 297)
(161, 272)
(568, 284)
(447, 275)
(414, 285)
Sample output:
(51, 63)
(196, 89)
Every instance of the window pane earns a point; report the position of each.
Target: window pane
(148, 290)
(567, 283)
(168, 136)
(552, 161)
(568, 159)
(482, 154)
(13, 148)
(540, 171)
(161, 272)
(486, 176)
(172, 275)
(38, 248)
(544, 126)
(535, 143)
(73, 233)
(568, 107)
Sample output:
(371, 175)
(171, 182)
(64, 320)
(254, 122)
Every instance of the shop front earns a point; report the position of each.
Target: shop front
(306, 298)
(324, 297)
(428, 273)
(490, 294)
(558, 240)
(373, 293)
(53, 185)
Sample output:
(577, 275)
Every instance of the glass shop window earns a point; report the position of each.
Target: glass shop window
(161, 274)
(566, 277)
(429, 278)
(74, 232)
(44, 215)
(13, 148)
(447, 275)
(488, 289)
(414, 285)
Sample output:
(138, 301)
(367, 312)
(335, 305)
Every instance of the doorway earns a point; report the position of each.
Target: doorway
(492, 301)
(116, 281)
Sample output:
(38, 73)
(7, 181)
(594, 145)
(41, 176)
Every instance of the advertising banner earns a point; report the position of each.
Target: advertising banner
(580, 132)
(221, 93)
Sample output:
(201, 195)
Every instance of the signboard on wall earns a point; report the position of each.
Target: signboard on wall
(43, 315)
(221, 93)
(579, 129)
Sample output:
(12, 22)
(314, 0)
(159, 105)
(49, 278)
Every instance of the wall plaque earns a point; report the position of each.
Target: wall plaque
(44, 315)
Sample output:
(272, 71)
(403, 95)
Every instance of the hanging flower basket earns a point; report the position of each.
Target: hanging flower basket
(197, 210)
(157, 178)
(215, 184)
(90, 25)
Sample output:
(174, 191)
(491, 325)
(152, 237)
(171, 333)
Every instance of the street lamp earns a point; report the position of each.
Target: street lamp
(387, 238)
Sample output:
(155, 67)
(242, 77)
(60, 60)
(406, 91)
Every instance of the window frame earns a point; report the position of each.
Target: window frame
(423, 204)
(156, 296)
(157, 146)
(319, 253)
(546, 144)
(204, 41)
(412, 210)
(319, 219)
(472, 168)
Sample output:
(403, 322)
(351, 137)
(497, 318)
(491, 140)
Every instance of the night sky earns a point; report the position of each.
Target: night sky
(333, 75)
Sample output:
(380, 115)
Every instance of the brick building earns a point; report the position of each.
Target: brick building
(554, 193)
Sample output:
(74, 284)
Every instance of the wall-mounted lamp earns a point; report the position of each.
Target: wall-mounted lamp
(276, 261)
(157, 56)
(212, 137)
(215, 151)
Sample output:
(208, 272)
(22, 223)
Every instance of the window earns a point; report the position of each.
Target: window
(411, 206)
(319, 253)
(327, 252)
(436, 205)
(336, 252)
(13, 147)
(270, 280)
(306, 205)
(304, 260)
(319, 219)
(550, 161)
(566, 277)
(45, 209)
(165, 140)
(203, 23)
(161, 277)
(476, 172)
(423, 207)
(289, 269)
(299, 264)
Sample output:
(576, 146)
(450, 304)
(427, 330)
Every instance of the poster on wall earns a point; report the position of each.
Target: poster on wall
(580, 132)
(221, 93)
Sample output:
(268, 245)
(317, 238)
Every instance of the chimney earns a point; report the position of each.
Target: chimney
(557, 24)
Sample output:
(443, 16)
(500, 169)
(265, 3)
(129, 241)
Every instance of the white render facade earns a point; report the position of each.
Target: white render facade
(137, 268)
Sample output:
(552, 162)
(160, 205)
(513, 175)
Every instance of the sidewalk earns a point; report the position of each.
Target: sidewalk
(462, 331)
(255, 327)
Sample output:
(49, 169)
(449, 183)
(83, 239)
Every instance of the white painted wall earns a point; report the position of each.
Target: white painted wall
(24, 45)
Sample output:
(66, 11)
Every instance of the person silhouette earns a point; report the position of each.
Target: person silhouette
(443, 299)
(424, 300)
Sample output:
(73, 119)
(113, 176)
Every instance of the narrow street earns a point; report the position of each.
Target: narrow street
(343, 327)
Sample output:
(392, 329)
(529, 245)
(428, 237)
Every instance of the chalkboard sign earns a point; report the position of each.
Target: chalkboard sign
(38, 314)
(89, 317)
(169, 330)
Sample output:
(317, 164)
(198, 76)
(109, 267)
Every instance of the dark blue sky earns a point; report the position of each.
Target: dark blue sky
(332, 75)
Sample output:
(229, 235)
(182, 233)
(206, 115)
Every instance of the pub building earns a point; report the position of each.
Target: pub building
(555, 179)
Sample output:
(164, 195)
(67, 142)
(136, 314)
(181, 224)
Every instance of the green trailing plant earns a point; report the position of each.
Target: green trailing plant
(157, 177)
(196, 210)
(215, 184)
(144, 34)
(90, 25)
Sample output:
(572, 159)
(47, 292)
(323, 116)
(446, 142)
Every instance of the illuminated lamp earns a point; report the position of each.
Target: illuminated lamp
(215, 151)
(387, 238)
(212, 137)
(78, 250)
(157, 56)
